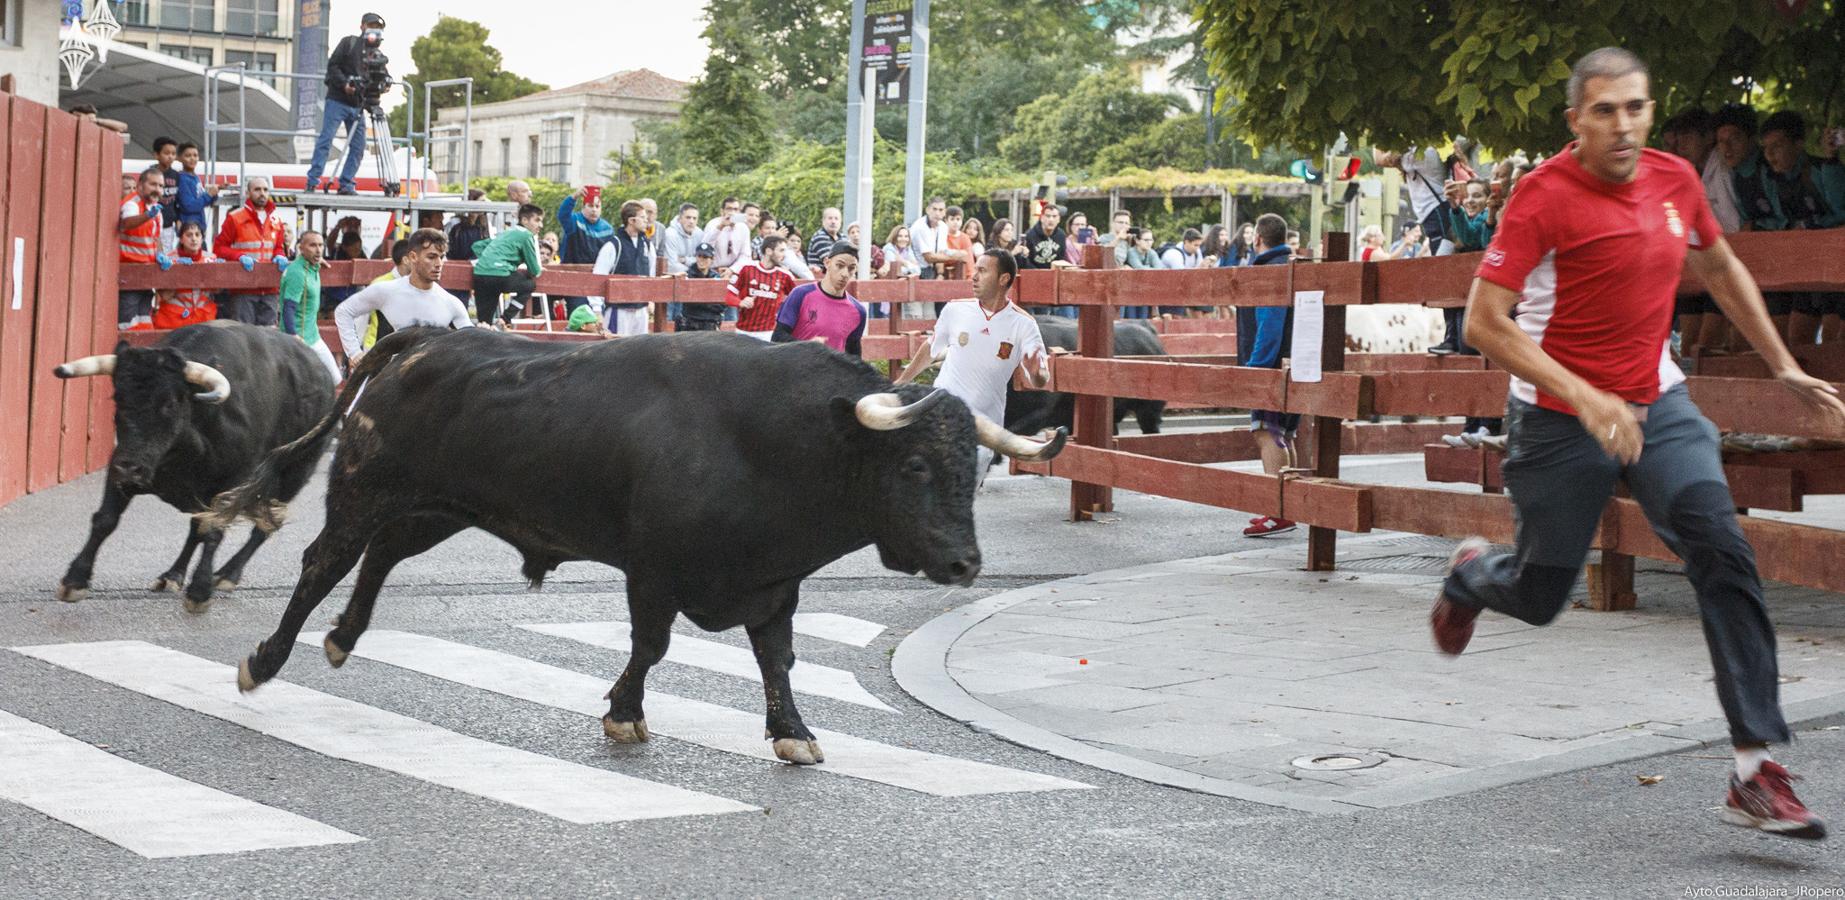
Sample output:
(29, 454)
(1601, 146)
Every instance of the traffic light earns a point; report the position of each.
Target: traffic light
(1347, 167)
(1305, 171)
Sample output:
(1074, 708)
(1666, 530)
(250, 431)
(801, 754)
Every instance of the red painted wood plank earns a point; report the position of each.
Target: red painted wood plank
(1785, 260)
(27, 138)
(1221, 386)
(103, 339)
(74, 418)
(1375, 363)
(1222, 344)
(56, 171)
(12, 439)
(1439, 393)
(1430, 280)
(1755, 405)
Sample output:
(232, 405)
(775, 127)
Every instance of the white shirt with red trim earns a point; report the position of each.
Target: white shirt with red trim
(981, 351)
(1597, 264)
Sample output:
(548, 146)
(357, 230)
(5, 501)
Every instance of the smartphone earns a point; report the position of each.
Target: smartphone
(1498, 188)
(1086, 234)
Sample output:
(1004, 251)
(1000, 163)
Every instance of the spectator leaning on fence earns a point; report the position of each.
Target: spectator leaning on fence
(959, 246)
(301, 298)
(192, 305)
(252, 234)
(192, 197)
(1117, 237)
(700, 316)
(1692, 135)
(976, 235)
(929, 238)
(579, 218)
(1046, 245)
(757, 288)
(824, 310)
(138, 241)
(1797, 191)
(1262, 336)
(508, 263)
(628, 253)
(166, 159)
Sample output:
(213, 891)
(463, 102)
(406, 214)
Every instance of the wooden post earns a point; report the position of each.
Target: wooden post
(1611, 582)
(1095, 416)
(1322, 543)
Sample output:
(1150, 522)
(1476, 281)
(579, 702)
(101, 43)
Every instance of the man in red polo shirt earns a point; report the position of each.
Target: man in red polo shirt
(1589, 253)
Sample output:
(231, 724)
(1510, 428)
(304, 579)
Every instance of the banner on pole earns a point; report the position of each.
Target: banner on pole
(887, 49)
(310, 56)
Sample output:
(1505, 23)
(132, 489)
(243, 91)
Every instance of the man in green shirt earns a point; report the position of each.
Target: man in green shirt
(497, 266)
(301, 298)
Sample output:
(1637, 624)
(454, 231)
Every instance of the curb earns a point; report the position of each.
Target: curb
(920, 668)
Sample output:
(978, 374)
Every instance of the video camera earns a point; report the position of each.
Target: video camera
(375, 75)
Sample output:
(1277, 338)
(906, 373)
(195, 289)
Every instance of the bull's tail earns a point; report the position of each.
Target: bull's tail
(255, 499)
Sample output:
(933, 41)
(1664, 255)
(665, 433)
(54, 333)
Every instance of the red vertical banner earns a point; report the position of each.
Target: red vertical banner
(58, 176)
(102, 319)
(25, 144)
(74, 419)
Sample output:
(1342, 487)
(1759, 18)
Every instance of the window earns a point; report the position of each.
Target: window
(133, 12)
(186, 15)
(253, 62)
(9, 23)
(252, 17)
(200, 55)
(554, 147)
(531, 157)
(505, 157)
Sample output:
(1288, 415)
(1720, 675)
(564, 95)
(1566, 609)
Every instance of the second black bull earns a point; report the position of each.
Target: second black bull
(1028, 412)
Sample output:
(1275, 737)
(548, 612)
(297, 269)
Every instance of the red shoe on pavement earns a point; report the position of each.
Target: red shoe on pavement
(1263, 526)
(1767, 803)
(1451, 622)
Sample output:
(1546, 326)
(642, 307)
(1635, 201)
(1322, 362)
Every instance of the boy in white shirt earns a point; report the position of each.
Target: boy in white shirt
(405, 302)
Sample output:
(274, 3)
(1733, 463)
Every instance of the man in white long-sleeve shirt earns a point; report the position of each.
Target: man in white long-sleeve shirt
(405, 302)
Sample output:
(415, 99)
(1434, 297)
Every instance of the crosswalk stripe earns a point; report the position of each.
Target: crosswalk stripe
(141, 809)
(837, 628)
(807, 678)
(348, 730)
(694, 721)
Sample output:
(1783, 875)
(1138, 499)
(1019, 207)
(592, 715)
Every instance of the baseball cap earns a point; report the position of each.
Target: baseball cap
(704, 250)
(581, 318)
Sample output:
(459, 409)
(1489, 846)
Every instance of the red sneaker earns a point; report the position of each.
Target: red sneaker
(1267, 525)
(1451, 622)
(1767, 803)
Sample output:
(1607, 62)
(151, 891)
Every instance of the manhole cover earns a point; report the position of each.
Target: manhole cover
(1334, 762)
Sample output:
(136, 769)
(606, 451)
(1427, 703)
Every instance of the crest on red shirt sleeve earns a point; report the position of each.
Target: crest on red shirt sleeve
(1494, 257)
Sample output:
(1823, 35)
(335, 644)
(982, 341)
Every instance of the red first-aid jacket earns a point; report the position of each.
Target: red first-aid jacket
(260, 235)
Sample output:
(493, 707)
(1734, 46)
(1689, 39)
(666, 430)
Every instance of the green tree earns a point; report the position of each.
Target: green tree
(1066, 130)
(1396, 72)
(1177, 142)
(725, 119)
(457, 48)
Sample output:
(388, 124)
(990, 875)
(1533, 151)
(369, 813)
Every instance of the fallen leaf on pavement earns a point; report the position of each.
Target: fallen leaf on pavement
(1650, 779)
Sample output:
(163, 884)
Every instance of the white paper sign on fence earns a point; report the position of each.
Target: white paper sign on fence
(19, 271)
(1309, 326)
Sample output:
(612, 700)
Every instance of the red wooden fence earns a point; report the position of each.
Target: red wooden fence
(57, 292)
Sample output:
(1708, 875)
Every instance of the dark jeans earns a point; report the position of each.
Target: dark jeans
(334, 115)
(253, 309)
(684, 324)
(132, 307)
(488, 288)
(1560, 480)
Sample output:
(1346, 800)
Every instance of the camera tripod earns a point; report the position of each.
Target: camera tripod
(379, 132)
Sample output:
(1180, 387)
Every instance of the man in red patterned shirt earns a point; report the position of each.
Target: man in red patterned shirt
(1590, 252)
(757, 288)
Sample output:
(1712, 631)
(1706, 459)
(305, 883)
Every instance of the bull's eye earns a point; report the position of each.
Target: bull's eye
(917, 469)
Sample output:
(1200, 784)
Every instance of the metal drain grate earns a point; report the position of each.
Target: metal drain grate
(1409, 562)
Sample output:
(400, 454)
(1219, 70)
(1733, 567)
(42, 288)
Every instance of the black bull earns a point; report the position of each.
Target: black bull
(1028, 412)
(715, 470)
(194, 414)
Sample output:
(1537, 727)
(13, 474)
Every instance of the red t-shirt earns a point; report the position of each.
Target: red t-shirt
(1598, 266)
(768, 286)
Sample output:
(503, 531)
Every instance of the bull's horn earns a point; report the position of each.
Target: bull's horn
(999, 440)
(888, 412)
(89, 365)
(217, 387)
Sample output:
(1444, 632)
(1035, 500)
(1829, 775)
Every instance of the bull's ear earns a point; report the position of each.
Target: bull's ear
(121, 347)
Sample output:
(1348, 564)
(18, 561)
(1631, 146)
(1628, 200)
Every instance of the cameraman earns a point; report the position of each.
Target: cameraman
(347, 77)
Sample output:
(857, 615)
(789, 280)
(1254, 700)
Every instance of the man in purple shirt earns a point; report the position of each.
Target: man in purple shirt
(822, 310)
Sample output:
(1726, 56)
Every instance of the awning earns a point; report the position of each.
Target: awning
(158, 95)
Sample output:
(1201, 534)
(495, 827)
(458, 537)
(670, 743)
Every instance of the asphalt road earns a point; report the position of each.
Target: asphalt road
(419, 824)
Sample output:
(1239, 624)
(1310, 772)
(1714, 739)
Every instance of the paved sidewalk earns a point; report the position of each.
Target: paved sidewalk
(1234, 674)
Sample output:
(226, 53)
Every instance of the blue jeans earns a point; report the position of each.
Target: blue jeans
(1560, 481)
(335, 115)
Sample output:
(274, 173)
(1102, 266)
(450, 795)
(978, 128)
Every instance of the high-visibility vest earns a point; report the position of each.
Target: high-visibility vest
(140, 243)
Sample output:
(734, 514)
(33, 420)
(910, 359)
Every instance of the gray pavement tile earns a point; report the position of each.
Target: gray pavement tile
(1194, 739)
(1103, 697)
(1124, 675)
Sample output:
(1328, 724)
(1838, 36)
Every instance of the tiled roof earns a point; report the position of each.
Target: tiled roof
(639, 84)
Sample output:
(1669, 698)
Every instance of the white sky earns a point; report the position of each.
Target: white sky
(557, 42)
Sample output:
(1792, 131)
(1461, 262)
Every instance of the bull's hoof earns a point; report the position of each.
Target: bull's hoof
(625, 732)
(335, 656)
(70, 593)
(167, 583)
(196, 606)
(224, 584)
(799, 752)
(245, 681)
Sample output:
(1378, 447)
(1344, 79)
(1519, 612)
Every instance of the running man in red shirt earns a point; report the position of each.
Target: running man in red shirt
(1589, 253)
(757, 288)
